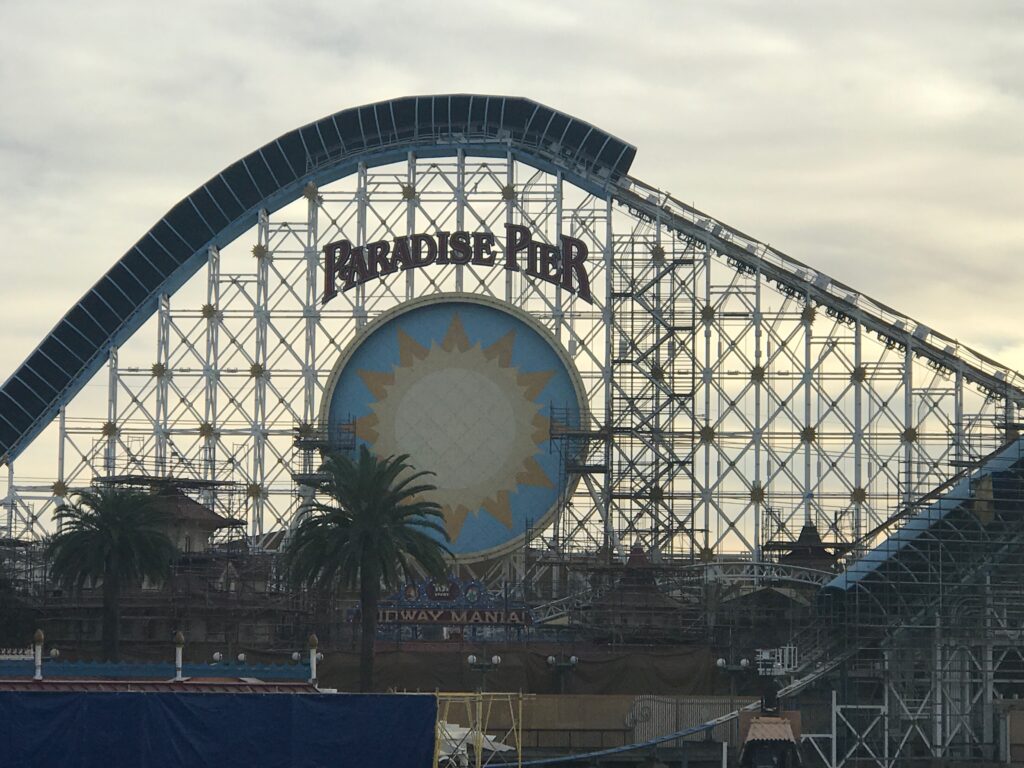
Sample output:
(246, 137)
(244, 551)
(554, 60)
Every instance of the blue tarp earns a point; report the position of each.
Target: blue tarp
(153, 730)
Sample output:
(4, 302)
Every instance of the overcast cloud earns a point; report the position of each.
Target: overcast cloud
(882, 142)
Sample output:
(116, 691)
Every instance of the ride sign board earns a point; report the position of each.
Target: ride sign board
(450, 602)
(563, 265)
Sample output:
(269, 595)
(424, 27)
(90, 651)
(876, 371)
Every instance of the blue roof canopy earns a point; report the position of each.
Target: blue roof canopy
(937, 522)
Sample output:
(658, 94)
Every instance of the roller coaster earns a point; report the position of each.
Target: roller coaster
(729, 398)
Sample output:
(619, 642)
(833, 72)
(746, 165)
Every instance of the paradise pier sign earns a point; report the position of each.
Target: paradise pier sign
(562, 265)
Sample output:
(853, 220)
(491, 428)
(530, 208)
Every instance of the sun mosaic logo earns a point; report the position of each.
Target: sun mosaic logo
(465, 389)
(444, 405)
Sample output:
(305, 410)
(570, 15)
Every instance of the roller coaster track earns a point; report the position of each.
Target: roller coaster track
(749, 254)
(734, 572)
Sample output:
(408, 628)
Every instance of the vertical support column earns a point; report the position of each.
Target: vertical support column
(808, 318)
(759, 376)
(832, 753)
(937, 689)
(988, 732)
(608, 316)
(310, 308)
(859, 378)
(211, 371)
(886, 725)
(510, 205)
(1010, 420)
(110, 428)
(60, 488)
(707, 440)
(362, 202)
(908, 425)
(558, 318)
(257, 486)
(162, 370)
(959, 435)
(657, 492)
(10, 501)
(411, 201)
(460, 209)
(559, 308)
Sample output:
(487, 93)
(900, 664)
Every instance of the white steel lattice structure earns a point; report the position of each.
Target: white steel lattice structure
(734, 393)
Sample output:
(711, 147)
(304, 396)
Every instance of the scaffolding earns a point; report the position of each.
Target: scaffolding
(922, 631)
(649, 414)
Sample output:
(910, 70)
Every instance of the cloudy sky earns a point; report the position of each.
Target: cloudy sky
(882, 142)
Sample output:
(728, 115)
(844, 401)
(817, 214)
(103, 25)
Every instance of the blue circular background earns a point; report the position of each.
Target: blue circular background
(377, 350)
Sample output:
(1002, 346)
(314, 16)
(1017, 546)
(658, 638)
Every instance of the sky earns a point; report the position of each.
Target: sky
(880, 142)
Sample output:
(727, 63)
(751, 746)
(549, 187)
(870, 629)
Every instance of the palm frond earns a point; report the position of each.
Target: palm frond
(372, 517)
(109, 533)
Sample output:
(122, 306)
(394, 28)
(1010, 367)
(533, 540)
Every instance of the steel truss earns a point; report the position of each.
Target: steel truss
(935, 700)
(733, 394)
(925, 645)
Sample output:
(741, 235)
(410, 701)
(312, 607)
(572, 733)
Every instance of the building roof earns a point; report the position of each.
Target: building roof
(22, 668)
(180, 507)
(770, 729)
(189, 685)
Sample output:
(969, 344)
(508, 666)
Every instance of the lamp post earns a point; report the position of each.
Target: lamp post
(483, 666)
(179, 646)
(562, 667)
(313, 642)
(37, 652)
(733, 670)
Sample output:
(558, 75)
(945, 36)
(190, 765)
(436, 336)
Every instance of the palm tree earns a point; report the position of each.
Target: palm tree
(115, 536)
(17, 617)
(370, 533)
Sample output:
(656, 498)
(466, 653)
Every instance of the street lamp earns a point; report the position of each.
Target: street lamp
(483, 666)
(733, 670)
(562, 668)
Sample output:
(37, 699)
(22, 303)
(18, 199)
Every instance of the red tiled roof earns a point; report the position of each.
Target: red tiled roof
(178, 506)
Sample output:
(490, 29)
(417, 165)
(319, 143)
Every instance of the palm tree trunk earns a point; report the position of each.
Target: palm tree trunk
(369, 596)
(111, 618)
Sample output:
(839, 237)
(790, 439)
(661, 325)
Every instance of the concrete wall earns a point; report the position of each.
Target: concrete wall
(1015, 726)
(597, 721)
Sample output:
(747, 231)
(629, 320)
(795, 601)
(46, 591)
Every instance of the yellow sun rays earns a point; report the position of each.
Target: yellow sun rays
(528, 428)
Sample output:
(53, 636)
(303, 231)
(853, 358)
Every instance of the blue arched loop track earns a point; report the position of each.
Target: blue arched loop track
(223, 208)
